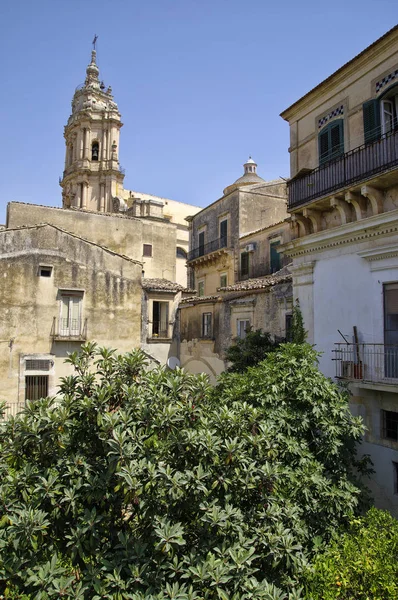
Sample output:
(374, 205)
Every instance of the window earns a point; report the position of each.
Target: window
(223, 226)
(380, 115)
(33, 364)
(395, 467)
(289, 327)
(243, 326)
(70, 321)
(36, 387)
(147, 250)
(94, 151)
(244, 264)
(201, 243)
(389, 429)
(181, 253)
(201, 288)
(45, 271)
(275, 257)
(391, 330)
(206, 325)
(160, 319)
(331, 141)
(223, 280)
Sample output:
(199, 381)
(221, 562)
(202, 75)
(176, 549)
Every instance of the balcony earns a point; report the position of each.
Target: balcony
(221, 244)
(367, 363)
(69, 330)
(353, 167)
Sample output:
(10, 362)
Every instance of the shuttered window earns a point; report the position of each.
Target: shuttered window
(36, 387)
(223, 233)
(331, 141)
(275, 257)
(201, 243)
(244, 264)
(371, 121)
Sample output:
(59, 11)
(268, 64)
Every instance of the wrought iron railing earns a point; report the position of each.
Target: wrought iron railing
(12, 409)
(64, 329)
(352, 167)
(373, 363)
(223, 242)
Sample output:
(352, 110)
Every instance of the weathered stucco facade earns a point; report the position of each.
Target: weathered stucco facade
(58, 291)
(343, 201)
(233, 251)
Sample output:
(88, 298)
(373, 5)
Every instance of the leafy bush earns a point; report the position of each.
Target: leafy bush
(359, 565)
(136, 484)
(250, 350)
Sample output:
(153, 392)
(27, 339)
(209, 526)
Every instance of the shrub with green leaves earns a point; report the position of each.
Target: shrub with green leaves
(250, 350)
(361, 564)
(150, 484)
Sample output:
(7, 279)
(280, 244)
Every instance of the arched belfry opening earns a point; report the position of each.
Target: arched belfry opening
(95, 151)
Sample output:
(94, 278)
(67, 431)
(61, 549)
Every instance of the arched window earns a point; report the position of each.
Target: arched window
(94, 151)
(181, 253)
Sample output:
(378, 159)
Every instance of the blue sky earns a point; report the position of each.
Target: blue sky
(200, 84)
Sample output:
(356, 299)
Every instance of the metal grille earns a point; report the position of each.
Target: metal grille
(36, 387)
(390, 425)
(37, 365)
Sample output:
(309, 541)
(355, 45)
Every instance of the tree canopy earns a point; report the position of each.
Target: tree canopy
(150, 484)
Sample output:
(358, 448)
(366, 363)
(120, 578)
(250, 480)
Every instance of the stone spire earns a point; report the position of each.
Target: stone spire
(92, 177)
(92, 78)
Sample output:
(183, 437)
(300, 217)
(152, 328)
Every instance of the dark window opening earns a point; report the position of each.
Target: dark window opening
(160, 319)
(389, 429)
(36, 387)
(147, 250)
(289, 327)
(181, 253)
(95, 151)
(45, 271)
(244, 264)
(223, 233)
(395, 466)
(206, 325)
(275, 257)
(201, 243)
(391, 330)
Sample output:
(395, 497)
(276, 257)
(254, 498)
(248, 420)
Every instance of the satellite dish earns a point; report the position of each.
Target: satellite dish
(173, 362)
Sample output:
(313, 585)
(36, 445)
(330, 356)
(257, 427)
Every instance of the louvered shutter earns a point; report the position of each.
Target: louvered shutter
(336, 139)
(324, 146)
(371, 120)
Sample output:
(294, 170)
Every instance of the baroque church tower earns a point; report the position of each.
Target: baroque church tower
(92, 178)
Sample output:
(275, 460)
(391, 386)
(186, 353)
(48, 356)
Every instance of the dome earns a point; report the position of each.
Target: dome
(249, 177)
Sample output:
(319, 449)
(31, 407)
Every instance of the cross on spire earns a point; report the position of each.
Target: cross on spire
(94, 40)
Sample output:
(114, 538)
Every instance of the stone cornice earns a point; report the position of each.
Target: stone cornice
(331, 83)
(371, 227)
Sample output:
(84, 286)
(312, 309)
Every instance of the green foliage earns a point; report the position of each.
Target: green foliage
(361, 564)
(298, 333)
(152, 485)
(249, 351)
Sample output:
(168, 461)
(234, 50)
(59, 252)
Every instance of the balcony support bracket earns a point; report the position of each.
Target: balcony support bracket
(315, 217)
(301, 222)
(375, 197)
(343, 209)
(359, 203)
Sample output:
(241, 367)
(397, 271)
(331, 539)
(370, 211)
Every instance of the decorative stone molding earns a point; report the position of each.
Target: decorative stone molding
(315, 217)
(303, 274)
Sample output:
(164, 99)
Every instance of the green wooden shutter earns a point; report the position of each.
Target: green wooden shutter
(371, 120)
(275, 257)
(336, 138)
(324, 146)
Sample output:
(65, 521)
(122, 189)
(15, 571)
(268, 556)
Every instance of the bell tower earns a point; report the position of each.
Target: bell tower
(92, 176)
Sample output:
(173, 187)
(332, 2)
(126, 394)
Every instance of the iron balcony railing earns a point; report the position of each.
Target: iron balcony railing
(372, 363)
(223, 242)
(69, 329)
(352, 167)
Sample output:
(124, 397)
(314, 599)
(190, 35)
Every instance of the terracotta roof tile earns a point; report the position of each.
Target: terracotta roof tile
(281, 276)
(164, 285)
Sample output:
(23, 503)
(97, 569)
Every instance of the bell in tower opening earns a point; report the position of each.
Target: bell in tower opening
(94, 151)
